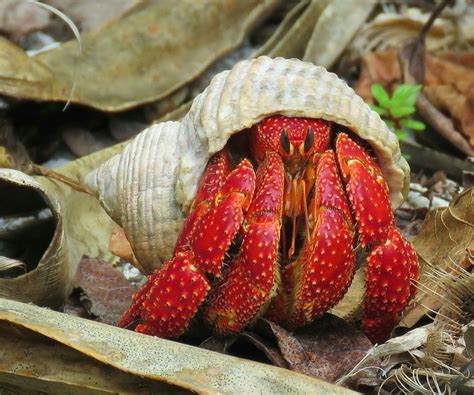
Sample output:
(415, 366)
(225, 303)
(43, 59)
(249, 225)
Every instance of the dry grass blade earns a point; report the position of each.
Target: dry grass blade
(77, 35)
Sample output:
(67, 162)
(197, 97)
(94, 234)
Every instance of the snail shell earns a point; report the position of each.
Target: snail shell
(150, 185)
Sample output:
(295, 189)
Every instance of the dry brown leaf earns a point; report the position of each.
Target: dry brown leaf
(142, 57)
(106, 292)
(446, 235)
(328, 349)
(349, 307)
(378, 67)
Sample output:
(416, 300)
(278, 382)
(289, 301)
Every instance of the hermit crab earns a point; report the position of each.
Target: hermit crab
(270, 229)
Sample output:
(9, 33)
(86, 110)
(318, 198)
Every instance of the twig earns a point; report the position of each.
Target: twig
(442, 124)
(43, 171)
(435, 14)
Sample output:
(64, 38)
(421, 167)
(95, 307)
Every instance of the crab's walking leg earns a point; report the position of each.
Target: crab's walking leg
(320, 276)
(172, 295)
(392, 264)
(251, 279)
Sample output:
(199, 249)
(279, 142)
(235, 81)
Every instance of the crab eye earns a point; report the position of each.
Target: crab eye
(309, 140)
(285, 141)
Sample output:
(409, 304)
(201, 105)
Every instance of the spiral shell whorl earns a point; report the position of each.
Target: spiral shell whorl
(137, 189)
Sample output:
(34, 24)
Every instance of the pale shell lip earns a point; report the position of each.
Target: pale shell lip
(150, 185)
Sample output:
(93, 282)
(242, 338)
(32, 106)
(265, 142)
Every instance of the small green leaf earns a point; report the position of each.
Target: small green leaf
(380, 94)
(412, 124)
(402, 111)
(407, 156)
(401, 134)
(378, 110)
(405, 95)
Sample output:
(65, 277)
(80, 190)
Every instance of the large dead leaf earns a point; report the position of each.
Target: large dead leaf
(142, 57)
(446, 235)
(53, 226)
(153, 358)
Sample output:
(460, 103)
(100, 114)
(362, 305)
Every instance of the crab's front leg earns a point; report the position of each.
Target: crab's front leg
(172, 295)
(392, 265)
(250, 281)
(320, 276)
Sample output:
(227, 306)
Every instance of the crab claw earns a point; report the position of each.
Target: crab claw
(392, 265)
(320, 276)
(390, 268)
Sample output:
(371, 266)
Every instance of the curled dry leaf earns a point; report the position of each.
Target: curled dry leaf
(291, 37)
(160, 360)
(46, 227)
(150, 207)
(391, 30)
(151, 41)
(328, 39)
(446, 235)
(106, 293)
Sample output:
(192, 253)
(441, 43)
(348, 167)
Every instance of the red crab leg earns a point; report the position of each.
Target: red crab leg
(320, 276)
(248, 284)
(216, 172)
(173, 294)
(392, 264)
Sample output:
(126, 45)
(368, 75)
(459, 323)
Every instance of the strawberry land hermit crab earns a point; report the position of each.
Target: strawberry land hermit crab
(275, 234)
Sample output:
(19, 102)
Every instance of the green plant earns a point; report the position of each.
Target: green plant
(396, 111)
